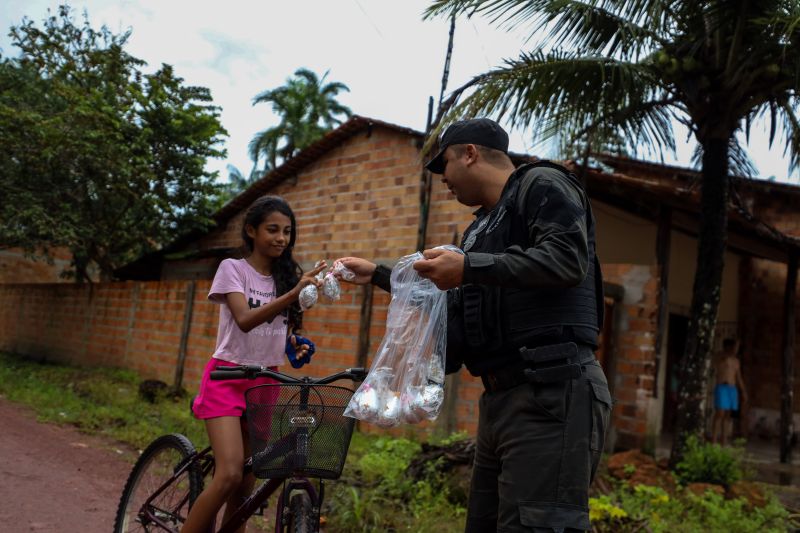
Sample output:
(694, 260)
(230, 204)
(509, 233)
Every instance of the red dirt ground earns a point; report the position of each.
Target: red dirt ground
(56, 479)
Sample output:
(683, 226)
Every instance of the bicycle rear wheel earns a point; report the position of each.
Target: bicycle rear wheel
(156, 466)
(302, 518)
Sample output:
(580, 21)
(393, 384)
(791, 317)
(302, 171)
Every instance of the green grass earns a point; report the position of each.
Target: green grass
(100, 401)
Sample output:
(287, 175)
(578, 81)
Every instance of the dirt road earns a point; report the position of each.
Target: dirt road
(55, 479)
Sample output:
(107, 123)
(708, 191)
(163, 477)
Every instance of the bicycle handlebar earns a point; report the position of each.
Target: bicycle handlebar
(252, 372)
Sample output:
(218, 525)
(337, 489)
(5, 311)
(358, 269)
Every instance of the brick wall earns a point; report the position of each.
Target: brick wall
(762, 341)
(16, 267)
(634, 416)
(761, 315)
(125, 324)
(137, 325)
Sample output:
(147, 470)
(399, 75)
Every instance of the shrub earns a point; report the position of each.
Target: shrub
(377, 494)
(712, 512)
(645, 508)
(710, 463)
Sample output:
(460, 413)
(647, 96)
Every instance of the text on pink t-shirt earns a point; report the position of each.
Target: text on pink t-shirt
(263, 345)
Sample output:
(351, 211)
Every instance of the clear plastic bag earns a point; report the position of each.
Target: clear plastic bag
(406, 380)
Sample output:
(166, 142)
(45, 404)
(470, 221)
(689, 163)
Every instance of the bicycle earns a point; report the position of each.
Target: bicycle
(297, 432)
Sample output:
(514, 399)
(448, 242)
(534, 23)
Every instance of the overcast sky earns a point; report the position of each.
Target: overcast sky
(382, 49)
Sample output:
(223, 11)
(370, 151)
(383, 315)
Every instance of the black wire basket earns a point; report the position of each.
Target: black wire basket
(298, 430)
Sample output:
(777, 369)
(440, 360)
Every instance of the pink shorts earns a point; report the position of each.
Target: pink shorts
(224, 397)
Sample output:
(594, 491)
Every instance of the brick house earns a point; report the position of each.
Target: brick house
(357, 192)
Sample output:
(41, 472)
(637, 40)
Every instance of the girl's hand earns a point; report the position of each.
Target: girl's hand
(299, 350)
(310, 277)
(362, 268)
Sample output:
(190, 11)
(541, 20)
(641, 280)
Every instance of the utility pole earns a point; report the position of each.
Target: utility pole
(425, 178)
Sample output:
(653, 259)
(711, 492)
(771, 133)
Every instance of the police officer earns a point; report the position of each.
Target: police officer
(524, 311)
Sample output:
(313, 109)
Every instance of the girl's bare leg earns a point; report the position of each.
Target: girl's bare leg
(246, 486)
(225, 434)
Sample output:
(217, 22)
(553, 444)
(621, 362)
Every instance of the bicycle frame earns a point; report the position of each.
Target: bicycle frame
(251, 505)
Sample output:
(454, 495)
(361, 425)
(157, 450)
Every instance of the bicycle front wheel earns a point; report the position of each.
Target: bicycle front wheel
(138, 509)
(302, 518)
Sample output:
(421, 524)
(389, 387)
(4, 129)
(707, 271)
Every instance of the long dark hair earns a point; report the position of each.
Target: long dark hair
(285, 270)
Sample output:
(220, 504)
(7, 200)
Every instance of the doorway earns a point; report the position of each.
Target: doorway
(676, 342)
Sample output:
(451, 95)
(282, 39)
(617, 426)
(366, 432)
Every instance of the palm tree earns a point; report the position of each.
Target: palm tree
(307, 108)
(628, 68)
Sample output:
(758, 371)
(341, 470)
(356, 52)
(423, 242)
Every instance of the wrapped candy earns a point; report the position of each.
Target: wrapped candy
(406, 383)
(346, 273)
(389, 414)
(308, 297)
(309, 294)
(331, 288)
(364, 402)
(330, 285)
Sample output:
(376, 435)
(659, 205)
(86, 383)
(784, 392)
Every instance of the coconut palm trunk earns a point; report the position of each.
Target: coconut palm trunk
(694, 369)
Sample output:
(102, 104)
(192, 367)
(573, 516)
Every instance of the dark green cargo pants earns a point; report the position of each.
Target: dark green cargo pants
(538, 448)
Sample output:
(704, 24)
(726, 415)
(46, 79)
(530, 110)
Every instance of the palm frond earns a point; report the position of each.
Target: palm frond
(612, 25)
(557, 92)
(263, 144)
(791, 130)
(595, 29)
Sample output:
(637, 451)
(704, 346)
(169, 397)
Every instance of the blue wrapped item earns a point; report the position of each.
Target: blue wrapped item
(291, 351)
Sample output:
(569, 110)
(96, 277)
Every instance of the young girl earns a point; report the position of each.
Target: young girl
(258, 297)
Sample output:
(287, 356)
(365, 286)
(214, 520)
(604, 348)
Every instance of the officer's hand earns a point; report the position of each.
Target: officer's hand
(362, 269)
(444, 268)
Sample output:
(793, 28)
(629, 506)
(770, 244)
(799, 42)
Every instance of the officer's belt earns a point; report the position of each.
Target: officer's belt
(544, 364)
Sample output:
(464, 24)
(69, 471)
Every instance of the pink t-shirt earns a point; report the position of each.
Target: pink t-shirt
(264, 344)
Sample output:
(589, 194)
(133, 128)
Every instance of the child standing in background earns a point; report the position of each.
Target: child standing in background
(258, 316)
(729, 382)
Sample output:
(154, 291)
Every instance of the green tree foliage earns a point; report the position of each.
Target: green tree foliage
(628, 68)
(307, 108)
(96, 155)
(236, 184)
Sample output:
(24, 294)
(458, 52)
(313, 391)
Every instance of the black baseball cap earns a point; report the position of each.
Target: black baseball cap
(480, 131)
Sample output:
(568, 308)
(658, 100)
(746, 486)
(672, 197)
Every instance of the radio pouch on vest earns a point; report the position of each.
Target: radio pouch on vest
(473, 323)
(482, 321)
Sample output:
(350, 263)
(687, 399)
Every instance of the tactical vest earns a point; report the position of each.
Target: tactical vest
(488, 324)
